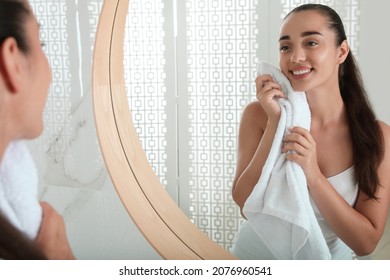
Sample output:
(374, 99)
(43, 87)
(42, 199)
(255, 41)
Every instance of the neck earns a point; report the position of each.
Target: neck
(3, 146)
(327, 107)
(4, 136)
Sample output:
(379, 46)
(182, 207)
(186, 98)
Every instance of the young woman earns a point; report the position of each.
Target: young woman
(24, 81)
(345, 155)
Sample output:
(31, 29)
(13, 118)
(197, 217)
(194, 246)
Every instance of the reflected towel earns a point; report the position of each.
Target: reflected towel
(279, 206)
(19, 189)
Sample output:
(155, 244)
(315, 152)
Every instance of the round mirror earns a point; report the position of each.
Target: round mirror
(152, 200)
(147, 202)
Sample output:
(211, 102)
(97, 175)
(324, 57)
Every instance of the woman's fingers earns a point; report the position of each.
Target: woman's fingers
(301, 148)
(52, 238)
(262, 79)
(266, 93)
(300, 139)
(294, 146)
(302, 143)
(266, 85)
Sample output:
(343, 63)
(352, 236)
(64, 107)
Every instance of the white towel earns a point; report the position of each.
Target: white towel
(19, 189)
(279, 206)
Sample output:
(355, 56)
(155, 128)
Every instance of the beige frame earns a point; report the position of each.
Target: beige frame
(154, 212)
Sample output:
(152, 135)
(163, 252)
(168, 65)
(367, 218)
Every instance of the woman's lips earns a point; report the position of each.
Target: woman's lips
(301, 73)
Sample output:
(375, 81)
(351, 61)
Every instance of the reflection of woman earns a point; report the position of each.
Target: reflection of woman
(24, 81)
(346, 149)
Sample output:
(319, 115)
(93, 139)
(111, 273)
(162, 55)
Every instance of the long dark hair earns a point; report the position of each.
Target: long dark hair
(366, 135)
(13, 16)
(13, 243)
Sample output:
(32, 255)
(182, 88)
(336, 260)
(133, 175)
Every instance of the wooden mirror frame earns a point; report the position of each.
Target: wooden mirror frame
(156, 215)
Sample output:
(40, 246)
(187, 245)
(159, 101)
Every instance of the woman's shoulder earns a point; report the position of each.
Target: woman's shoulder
(255, 109)
(385, 128)
(254, 115)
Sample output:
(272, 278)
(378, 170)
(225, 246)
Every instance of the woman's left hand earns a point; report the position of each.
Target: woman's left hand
(52, 238)
(301, 148)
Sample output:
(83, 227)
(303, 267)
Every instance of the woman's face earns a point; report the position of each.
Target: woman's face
(308, 54)
(36, 83)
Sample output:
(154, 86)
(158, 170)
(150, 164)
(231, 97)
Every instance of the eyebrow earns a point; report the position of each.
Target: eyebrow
(304, 34)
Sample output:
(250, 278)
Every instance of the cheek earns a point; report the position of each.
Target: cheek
(41, 81)
(45, 72)
(324, 57)
(283, 64)
(43, 78)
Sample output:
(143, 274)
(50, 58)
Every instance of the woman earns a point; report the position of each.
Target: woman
(347, 148)
(24, 80)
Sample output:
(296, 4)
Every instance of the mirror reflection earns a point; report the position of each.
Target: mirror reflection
(190, 70)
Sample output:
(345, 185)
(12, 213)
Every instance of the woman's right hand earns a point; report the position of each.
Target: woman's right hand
(52, 238)
(267, 91)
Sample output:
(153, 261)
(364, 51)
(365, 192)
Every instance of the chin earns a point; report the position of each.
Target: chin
(36, 132)
(299, 88)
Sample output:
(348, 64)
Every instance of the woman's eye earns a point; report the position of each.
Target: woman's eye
(283, 48)
(311, 43)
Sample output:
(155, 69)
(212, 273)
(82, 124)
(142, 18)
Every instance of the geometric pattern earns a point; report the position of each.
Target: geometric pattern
(146, 82)
(186, 103)
(221, 62)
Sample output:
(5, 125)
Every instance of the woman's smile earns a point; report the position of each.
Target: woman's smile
(300, 73)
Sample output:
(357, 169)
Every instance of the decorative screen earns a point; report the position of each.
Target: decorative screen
(145, 80)
(222, 55)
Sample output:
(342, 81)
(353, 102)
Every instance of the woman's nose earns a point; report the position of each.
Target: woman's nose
(298, 55)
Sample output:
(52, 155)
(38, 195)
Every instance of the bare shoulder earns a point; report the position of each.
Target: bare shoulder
(385, 165)
(254, 107)
(385, 130)
(254, 116)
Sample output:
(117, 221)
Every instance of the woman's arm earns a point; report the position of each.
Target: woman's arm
(256, 133)
(361, 226)
(254, 143)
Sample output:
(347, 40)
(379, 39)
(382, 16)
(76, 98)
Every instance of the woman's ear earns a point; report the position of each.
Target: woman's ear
(10, 64)
(343, 52)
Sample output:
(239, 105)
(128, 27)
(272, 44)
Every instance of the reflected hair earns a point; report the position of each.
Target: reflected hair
(365, 132)
(14, 245)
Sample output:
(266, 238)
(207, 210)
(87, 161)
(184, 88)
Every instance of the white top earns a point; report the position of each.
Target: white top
(346, 186)
(248, 245)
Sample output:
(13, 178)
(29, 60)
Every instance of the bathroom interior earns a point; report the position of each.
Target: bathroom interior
(189, 69)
